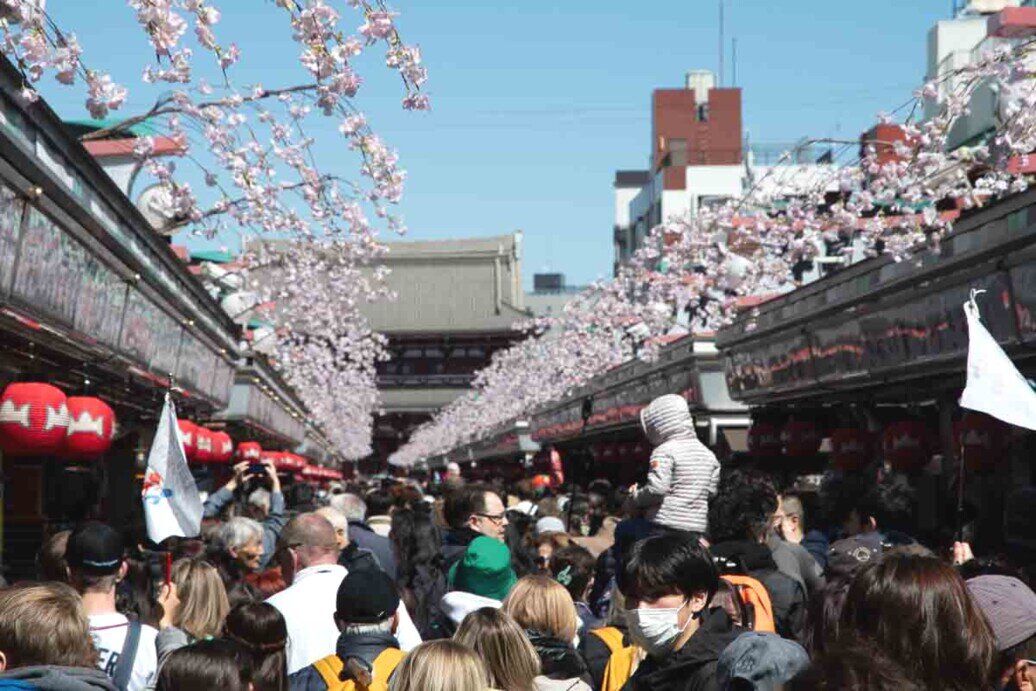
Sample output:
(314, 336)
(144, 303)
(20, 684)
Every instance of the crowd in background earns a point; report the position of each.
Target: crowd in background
(698, 578)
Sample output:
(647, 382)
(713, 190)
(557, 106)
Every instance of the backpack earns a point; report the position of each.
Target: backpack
(623, 661)
(330, 669)
(124, 667)
(754, 601)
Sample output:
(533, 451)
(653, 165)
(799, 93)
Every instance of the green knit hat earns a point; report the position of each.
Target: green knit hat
(485, 569)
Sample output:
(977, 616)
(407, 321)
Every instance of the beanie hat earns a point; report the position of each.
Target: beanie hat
(1009, 605)
(366, 596)
(485, 569)
(765, 660)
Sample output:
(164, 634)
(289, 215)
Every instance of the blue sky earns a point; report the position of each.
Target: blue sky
(535, 105)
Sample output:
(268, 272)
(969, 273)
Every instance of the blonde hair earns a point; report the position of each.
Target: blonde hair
(203, 598)
(509, 657)
(45, 624)
(440, 666)
(542, 604)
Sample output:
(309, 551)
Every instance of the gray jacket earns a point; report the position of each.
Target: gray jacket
(795, 561)
(272, 525)
(684, 474)
(169, 640)
(54, 678)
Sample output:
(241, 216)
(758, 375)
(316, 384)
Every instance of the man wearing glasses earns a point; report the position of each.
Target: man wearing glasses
(471, 511)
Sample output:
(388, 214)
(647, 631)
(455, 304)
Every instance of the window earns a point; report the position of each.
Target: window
(703, 112)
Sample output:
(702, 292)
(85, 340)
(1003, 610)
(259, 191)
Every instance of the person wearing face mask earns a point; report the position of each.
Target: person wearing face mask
(668, 582)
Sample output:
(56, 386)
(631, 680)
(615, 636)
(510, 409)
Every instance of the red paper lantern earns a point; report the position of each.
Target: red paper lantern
(189, 435)
(906, 445)
(280, 460)
(203, 445)
(764, 440)
(850, 449)
(800, 438)
(91, 426)
(249, 451)
(222, 447)
(33, 419)
(983, 440)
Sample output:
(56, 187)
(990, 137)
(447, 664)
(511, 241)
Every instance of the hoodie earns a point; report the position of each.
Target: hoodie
(684, 474)
(457, 604)
(692, 667)
(54, 678)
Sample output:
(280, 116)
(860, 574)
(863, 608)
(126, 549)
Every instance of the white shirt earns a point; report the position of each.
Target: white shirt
(109, 634)
(308, 607)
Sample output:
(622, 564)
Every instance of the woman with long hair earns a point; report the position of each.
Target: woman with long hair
(261, 630)
(194, 605)
(544, 609)
(440, 666)
(420, 571)
(510, 659)
(918, 611)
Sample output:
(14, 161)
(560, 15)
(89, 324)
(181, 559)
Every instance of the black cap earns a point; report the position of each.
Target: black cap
(366, 596)
(94, 548)
(846, 557)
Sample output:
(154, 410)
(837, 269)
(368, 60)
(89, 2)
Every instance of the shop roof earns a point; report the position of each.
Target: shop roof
(214, 256)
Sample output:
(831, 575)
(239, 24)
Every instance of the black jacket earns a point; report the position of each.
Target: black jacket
(558, 659)
(692, 667)
(597, 655)
(787, 595)
(422, 592)
(364, 647)
(381, 546)
(454, 544)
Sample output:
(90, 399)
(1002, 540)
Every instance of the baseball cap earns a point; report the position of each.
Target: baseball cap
(550, 524)
(846, 556)
(1009, 605)
(95, 548)
(764, 660)
(366, 596)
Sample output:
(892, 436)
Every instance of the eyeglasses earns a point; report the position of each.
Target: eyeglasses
(496, 518)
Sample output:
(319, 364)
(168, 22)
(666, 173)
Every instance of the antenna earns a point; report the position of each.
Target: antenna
(733, 62)
(722, 42)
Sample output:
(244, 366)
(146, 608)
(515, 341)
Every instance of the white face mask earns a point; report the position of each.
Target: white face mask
(656, 629)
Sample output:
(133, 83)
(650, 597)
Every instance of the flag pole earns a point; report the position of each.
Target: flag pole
(960, 495)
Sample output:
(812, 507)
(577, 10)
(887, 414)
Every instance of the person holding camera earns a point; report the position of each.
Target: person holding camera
(254, 553)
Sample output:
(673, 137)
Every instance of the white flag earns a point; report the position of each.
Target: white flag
(995, 386)
(172, 505)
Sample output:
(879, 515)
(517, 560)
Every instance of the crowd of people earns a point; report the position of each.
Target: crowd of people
(699, 578)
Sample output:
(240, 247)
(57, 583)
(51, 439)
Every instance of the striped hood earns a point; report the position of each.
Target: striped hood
(667, 417)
